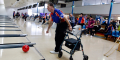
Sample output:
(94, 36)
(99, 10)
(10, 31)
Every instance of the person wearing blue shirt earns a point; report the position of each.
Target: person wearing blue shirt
(25, 16)
(72, 19)
(13, 14)
(81, 20)
(103, 22)
(62, 23)
(109, 30)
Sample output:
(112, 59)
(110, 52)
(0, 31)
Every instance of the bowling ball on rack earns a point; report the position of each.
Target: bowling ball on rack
(25, 48)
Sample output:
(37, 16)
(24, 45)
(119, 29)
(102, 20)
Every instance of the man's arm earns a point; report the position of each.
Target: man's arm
(50, 24)
(67, 21)
(61, 15)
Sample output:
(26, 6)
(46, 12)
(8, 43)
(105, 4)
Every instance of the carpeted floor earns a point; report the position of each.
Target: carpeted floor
(101, 35)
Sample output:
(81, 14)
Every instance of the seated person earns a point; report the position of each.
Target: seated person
(98, 27)
(36, 16)
(109, 30)
(17, 14)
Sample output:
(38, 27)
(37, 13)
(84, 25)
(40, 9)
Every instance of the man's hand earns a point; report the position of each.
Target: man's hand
(47, 31)
(70, 28)
(91, 25)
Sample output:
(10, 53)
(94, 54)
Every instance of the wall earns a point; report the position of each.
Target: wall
(2, 9)
(34, 10)
(77, 4)
(93, 9)
(23, 11)
(9, 11)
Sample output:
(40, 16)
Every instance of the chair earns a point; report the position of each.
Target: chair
(32, 18)
(84, 27)
(117, 34)
(36, 20)
(113, 33)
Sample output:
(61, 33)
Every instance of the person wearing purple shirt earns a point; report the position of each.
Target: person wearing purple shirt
(91, 26)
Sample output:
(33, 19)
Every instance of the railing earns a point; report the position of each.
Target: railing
(98, 2)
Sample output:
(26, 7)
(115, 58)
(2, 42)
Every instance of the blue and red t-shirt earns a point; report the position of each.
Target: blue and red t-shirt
(57, 16)
(81, 20)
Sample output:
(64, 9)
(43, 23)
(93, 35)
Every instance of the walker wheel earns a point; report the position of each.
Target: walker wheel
(85, 57)
(71, 58)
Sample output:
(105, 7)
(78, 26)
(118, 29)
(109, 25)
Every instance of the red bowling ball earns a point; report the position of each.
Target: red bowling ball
(25, 48)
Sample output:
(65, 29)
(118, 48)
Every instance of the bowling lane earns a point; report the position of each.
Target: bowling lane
(11, 32)
(8, 25)
(17, 53)
(7, 28)
(12, 40)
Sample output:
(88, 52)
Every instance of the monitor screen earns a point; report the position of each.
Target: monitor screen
(71, 0)
(35, 5)
(63, 5)
(41, 4)
(30, 7)
(27, 7)
(54, 1)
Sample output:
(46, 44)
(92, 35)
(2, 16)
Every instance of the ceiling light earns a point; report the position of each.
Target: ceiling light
(1, 1)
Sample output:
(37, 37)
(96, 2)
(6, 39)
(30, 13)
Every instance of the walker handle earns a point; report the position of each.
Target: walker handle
(69, 32)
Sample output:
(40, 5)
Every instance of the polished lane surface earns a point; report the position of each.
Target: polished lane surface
(94, 47)
(16, 53)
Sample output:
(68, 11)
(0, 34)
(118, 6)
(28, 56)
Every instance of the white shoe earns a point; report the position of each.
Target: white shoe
(91, 36)
(86, 34)
(53, 52)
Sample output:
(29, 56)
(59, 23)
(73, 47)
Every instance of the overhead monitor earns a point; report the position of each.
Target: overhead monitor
(30, 7)
(63, 5)
(41, 4)
(71, 0)
(34, 6)
(26, 7)
(54, 1)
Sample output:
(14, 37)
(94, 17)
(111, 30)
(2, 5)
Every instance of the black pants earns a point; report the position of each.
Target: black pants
(91, 31)
(97, 28)
(43, 20)
(72, 24)
(25, 18)
(81, 24)
(13, 17)
(60, 34)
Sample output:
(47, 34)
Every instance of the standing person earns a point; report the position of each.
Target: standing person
(44, 18)
(76, 20)
(62, 23)
(13, 14)
(72, 19)
(81, 20)
(22, 16)
(91, 26)
(25, 16)
(86, 20)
